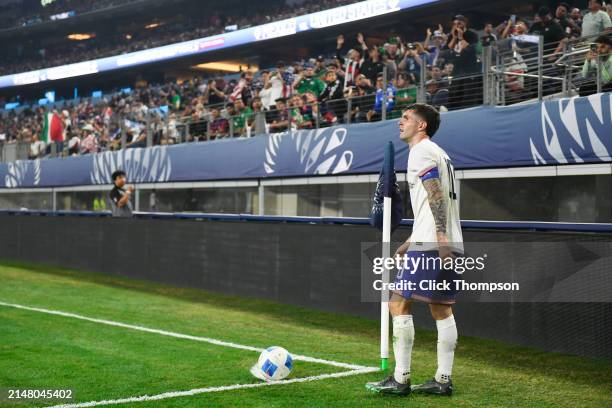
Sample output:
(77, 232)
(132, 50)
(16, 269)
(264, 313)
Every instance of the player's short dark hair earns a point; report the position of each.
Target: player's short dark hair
(116, 174)
(429, 114)
(600, 2)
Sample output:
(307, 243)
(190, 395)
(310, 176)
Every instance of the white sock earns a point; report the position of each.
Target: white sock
(447, 341)
(403, 339)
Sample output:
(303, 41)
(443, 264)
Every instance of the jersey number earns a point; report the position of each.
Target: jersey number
(451, 176)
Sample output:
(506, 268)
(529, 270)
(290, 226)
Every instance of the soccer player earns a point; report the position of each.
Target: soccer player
(436, 235)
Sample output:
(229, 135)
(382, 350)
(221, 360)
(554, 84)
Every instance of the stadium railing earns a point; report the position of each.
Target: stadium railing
(526, 68)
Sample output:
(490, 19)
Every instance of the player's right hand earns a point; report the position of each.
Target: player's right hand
(402, 249)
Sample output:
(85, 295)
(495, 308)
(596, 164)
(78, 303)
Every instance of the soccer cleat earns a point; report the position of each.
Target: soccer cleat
(434, 387)
(389, 386)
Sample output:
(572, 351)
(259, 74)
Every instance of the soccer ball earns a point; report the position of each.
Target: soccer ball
(275, 363)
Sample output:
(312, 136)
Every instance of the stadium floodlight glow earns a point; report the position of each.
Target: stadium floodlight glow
(224, 66)
(309, 22)
(80, 36)
(153, 25)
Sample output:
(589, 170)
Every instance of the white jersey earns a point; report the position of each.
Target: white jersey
(426, 159)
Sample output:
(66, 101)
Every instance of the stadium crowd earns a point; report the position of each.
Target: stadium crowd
(52, 9)
(349, 86)
(176, 29)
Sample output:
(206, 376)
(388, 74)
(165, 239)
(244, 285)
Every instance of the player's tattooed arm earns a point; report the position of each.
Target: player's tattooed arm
(437, 203)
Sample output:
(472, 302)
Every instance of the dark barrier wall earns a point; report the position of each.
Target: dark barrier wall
(309, 265)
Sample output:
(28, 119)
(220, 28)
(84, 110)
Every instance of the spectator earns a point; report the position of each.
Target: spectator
(406, 91)
(287, 78)
(514, 28)
(74, 145)
(212, 95)
(352, 62)
(89, 142)
(576, 17)
(609, 9)
(603, 55)
(279, 117)
(389, 63)
(312, 107)
(362, 99)
(332, 98)
(308, 82)
(257, 119)
(562, 17)
(372, 64)
(138, 138)
(549, 29)
(393, 49)
(244, 88)
(463, 45)
(436, 94)
(383, 96)
(320, 69)
(37, 148)
(219, 126)
(240, 117)
(273, 88)
(413, 59)
(301, 117)
(465, 91)
(489, 36)
(170, 133)
(435, 44)
(596, 20)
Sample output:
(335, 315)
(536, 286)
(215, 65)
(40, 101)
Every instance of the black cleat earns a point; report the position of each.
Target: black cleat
(434, 387)
(389, 386)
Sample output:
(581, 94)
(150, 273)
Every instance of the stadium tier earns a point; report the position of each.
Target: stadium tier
(305, 203)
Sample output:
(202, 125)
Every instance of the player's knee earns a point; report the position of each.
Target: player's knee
(399, 306)
(440, 312)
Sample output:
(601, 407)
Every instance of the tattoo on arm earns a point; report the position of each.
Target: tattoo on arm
(437, 203)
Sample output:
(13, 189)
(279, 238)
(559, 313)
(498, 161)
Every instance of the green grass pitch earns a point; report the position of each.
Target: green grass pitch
(102, 362)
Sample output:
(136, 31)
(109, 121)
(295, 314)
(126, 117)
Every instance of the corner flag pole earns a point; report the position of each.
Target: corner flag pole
(384, 294)
(389, 182)
(386, 216)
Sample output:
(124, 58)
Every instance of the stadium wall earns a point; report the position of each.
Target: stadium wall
(311, 265)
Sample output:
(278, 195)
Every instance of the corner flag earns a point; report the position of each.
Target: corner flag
(387, 187)
(387, 211)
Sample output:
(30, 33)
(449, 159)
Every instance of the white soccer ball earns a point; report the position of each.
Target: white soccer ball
(275, 363)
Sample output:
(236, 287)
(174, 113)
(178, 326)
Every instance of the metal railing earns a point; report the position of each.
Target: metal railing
(518, 71)
(509, 71)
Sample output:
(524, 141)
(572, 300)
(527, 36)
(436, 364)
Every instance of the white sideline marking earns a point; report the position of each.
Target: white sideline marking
(354, 369)
(181, 336)
(195, 391)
